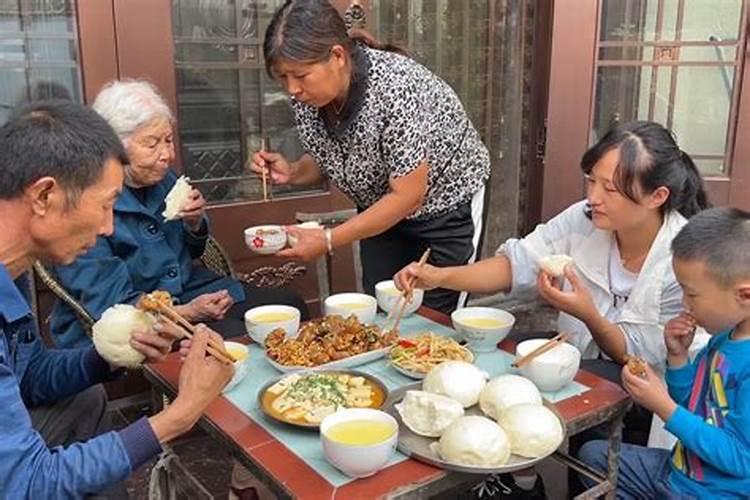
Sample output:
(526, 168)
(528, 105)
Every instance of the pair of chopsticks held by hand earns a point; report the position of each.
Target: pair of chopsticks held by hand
(405, 297)
(153, 302)
(266, 186)
(547, 346)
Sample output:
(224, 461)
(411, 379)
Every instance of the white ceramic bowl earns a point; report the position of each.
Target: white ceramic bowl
(259, 327)
(265, 240)
(345, 304)
(358, 460)
(552, 370)
(389, 296)
(240, 366)
(305, 225)
(480, 338)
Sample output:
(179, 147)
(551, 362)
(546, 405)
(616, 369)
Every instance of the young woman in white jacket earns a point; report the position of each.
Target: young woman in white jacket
(620, 290)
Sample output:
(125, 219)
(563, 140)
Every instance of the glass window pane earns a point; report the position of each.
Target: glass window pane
(205, 52)
(10, 16)
(199, 19)
(715, 54)
(704, 19)
(58, 83)
(52, 50)
(51, 16)
(13, 90)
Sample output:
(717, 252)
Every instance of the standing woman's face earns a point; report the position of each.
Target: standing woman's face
(610, 209)
(315, 84)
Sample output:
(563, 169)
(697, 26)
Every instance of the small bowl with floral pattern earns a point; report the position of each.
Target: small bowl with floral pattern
(265, 240)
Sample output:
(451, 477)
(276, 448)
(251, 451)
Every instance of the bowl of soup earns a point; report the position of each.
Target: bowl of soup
(388, 297)
(265, 240)
(363, 306)
(262, 320)
(552, 370)
(359, 441)
(482, 327)
(240, 353)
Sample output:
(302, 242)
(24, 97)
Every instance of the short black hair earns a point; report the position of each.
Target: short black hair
(719, 237)
(55, 138)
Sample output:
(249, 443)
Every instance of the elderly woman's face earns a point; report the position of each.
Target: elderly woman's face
(151, 152)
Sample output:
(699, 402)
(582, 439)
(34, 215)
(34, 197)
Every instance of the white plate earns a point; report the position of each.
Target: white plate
(351, 361)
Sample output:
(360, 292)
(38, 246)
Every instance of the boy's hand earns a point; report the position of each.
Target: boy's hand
(678, 335)
(650, 392)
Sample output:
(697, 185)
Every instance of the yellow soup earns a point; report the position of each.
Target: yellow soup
(352, 305)
(360, 432)
(482, 322)
(238, 354)
(271, 317)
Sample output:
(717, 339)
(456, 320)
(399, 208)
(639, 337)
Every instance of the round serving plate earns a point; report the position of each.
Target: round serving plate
(419, 375)
(310, 425)
(420, 447)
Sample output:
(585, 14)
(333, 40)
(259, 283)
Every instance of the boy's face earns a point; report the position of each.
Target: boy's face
(714, 306)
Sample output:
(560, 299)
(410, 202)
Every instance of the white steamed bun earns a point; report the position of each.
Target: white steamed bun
(177, 198)
(111, 334)
(429, 414)
(506, 391)
(555, 264)
(534, 430)
(458, 380)
(474, 440)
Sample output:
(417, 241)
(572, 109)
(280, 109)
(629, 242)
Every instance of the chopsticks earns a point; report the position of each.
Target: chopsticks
(404, 297)
(550, 344)
(266, 186)
(175, 319)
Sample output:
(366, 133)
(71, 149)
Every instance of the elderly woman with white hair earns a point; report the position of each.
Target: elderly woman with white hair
(145, 252)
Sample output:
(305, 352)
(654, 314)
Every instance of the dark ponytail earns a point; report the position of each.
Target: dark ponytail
(305, 31)
(649, 159)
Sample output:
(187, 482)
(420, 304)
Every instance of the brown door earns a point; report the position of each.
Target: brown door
(678, 62)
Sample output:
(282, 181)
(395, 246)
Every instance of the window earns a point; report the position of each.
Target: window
(38, 52)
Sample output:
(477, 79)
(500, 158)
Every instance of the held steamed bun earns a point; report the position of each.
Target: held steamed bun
(177, 198)
(111, 334)
(506, 391)
(458, 380)
(474, 440)
(555, 264)
(534, 431)
(429, 414)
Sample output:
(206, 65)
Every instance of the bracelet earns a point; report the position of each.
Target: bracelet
(329, 240)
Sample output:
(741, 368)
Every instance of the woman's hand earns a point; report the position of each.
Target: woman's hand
(577, 302)
(650, 392)
(413, 276)
(311, 244)
(156, 342)
(207, 307)
(193, 212)
(274, 164)
(679, 333)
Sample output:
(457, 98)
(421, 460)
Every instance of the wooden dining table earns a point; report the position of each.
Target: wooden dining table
(288, 476)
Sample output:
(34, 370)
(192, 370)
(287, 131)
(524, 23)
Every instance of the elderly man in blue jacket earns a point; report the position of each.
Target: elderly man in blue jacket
(60, 174)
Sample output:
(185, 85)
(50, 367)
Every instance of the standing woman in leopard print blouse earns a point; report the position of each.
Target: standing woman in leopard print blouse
(389, 134)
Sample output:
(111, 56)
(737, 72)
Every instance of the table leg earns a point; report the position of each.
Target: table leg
(613, 453)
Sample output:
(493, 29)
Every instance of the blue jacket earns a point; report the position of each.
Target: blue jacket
(143, 254)
(31, 375)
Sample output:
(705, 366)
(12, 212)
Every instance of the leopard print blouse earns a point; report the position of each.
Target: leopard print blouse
(398, 114)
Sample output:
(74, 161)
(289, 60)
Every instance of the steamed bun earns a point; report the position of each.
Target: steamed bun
(474, 440)
(534, 430)
(506, 391)
(429, 414)
(177, 198)
(111, 334)
(555, 264)
(458, 380)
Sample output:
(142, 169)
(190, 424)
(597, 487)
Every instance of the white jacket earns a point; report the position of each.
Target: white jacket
(656, 296)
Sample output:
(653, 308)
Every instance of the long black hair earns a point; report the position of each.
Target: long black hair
(305, 31)
(650, 158)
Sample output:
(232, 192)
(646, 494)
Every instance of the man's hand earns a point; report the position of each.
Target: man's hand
(650, 392)
(155, 342)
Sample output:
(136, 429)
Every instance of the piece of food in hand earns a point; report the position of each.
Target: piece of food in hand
(458, 380)
(554, 265)
(111, 334)
(154, 301)
(474, 440)
(534, 430)
(506, 391)
(177, 198)
(429, 414)
(636, 365)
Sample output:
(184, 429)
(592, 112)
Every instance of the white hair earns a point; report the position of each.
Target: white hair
(130, 104)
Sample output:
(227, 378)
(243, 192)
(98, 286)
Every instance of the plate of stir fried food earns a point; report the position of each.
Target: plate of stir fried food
(328, 342)
(414, 357)
(306, 398)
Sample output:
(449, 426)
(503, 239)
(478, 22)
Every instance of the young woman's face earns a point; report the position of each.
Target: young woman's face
(610, 209)
(315, 84)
